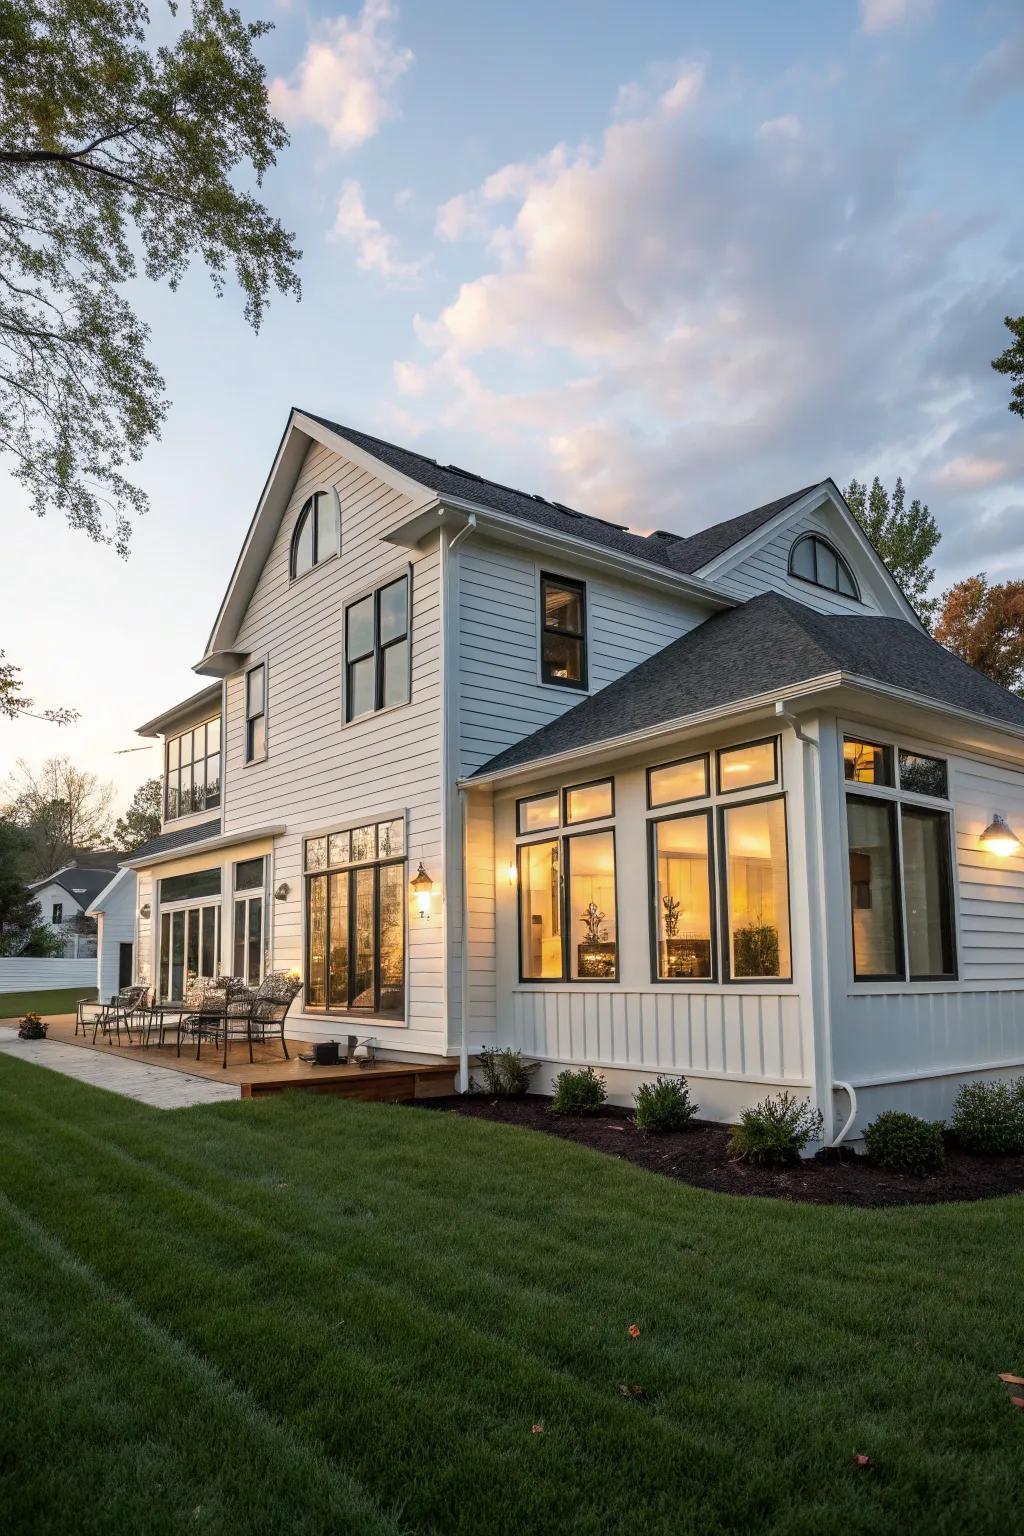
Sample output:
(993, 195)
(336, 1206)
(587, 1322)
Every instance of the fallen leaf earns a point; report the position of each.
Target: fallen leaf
(633, 1331)
(1018, 1402)
(536, 1429)
(632, 1389)
(1011, 1380)
(860, 1460)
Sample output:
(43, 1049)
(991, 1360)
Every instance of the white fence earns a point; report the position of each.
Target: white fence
(26, 974)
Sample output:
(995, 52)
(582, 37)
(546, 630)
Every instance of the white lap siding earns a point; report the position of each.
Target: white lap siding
(765, 568)
(320, 772)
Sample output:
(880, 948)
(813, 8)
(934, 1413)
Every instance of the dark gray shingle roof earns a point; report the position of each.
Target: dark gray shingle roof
(677, 552)
(769, 642)
(181, 837)
(83, 884)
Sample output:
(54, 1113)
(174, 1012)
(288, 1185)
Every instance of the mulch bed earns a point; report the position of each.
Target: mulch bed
(698, 1156)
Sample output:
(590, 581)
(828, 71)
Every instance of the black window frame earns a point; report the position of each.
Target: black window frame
(653, 822)
(587, 821)
(350, 870)
(548, 794)
(744, 746)
(889, 757)
(378, 651)
(566, 584)
(209, 803)
(679, 762)
(841, 561)
(310, 508)
(723, 875)
(935, 813)
(57, 914)
(563, 838)
(261, 714)
(892, 806)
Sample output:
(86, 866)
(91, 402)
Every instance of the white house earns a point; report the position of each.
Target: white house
(486, 770)
(65, 896)
(114, 913)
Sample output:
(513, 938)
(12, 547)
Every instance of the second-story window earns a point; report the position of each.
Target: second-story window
(256, 713)
(563, 641)
(58, 913)
(377, 650)
(192, 770)
(316, 535)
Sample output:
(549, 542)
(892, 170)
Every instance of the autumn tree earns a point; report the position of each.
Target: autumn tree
(905, 537)
(985, 625)
(1012, 362)
(141, 821)
(61, 808)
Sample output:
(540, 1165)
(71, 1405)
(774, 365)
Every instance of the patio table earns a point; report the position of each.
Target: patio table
(217, 1013)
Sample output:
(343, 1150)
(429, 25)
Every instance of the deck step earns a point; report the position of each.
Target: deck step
(383, 1084)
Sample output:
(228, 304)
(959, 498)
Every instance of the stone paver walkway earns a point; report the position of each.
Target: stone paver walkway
(162, 1087)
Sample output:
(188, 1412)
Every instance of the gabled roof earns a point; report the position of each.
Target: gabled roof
(180, 837)
(82, 883)
(770, 642)
(101, 901)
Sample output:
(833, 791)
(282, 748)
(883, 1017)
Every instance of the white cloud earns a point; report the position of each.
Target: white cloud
(376, 250)
(344, 78)
(883, 15)
(1000, 73)
(969, 472)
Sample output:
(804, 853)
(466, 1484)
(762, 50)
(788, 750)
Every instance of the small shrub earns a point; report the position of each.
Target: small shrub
(664, 1105)
(506, 1074)
(905, 1142)
(775, 1131)
(989, 1117)
(578, 1093)
(32, 1028)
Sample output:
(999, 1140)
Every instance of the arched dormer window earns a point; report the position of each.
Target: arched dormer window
(316, 533)
(814, 559)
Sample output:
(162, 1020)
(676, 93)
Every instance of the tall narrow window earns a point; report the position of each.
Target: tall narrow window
(356, 920)
(681, 849)
(756, 890)
(58, 913)
(316, 535)
(248, 939)
(377, 662)
(590, 879)
(874, 888)
(931, 951)
(563, 655)
(540, 911)
(256, 713)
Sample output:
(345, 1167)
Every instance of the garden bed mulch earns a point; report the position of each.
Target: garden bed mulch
(698, 1156)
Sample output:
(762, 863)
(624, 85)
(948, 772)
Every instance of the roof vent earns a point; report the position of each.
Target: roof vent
(663, 533)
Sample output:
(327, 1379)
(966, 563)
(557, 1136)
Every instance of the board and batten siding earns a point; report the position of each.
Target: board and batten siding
(766, 569)
(116, 926)
(319, 772)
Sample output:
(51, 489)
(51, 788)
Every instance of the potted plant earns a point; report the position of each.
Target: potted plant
(32, 1028)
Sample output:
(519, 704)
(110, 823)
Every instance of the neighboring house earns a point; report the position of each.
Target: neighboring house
(65, 896)
(485, 770)
(113, 912)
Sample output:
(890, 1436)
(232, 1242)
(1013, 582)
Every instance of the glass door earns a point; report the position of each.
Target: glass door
(189, 948)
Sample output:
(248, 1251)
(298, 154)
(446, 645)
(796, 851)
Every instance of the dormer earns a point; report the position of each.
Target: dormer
(193, 759)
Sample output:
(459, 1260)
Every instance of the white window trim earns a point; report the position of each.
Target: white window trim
(247, 761)
(556, 572)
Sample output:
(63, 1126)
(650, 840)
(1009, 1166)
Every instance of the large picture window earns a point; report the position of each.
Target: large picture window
(901, 885)
(681, 863)
(355, 920)
(563, 645)
(192, 770)
(568, 919)
(756, 879)
(377, 671)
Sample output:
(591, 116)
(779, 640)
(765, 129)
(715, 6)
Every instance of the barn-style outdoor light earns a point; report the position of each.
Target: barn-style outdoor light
(145, 909)
(999, 838)
(423, 885)
(281, 894)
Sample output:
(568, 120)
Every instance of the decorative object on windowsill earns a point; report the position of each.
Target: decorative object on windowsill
(32, 1028)
(596, 954)
(756, 949)
(281, 894)
(999, 838)
(365, 1054)
(145, 910)
(422, 885)
(687, 956)
(672, 912)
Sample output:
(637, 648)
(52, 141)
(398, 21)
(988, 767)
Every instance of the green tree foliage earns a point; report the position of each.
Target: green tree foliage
(1012, 362)
(118, 155)
(22, 930)
(141, 820)
(14, 703)
(905, 537)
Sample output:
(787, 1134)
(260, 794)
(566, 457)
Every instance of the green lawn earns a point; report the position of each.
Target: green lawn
(302, 1315)
(14, 1005)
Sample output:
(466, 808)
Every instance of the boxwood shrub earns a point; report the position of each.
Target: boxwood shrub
(989, 1116)
(578, 1093)
(905, 1142)
(664, 1105)
(775, 1131)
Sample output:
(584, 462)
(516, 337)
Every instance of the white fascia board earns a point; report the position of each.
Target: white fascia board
(809, 691)
(95, 907)
(529, 536)
(206, 845)
(826, 492)
(999, 729)
(159, 725)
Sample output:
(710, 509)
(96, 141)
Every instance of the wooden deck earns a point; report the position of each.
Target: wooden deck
(389, 1082)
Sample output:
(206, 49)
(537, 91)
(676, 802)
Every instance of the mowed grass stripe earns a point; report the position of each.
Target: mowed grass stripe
(410, 1292)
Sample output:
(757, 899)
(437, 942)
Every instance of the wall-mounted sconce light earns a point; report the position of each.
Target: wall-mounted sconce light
(423, 885)
(145, 909)
(281, 894)
(998, 838)
(513, 873)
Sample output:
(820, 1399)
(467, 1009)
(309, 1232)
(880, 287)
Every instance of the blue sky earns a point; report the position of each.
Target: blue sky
(661, 261)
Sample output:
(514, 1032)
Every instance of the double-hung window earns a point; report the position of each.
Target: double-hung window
(256, 713)
(355, 920)
(563, 642)
(899, 836)
(377, 671)
(567, 895)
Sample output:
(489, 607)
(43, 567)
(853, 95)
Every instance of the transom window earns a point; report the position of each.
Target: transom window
(316, 535)
(901, 867)
(563, 647)
(355, 920)
(814, 559)
(567, 890)
(192, 770)
(377, 672)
